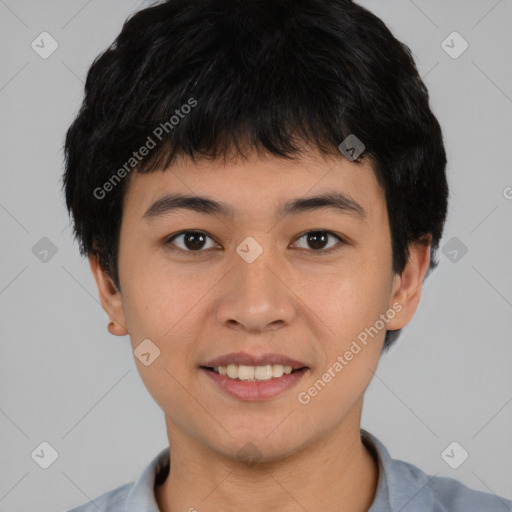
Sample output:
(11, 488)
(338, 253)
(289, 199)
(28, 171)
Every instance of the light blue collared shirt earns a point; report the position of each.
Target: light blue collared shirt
(402, 487)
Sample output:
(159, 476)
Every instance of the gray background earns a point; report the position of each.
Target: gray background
(65, 380)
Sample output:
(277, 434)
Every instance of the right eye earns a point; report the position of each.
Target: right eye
(192, 242)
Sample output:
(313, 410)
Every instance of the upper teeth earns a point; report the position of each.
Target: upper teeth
(242, 372)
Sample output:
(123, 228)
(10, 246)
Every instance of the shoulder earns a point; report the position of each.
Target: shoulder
(112, 501)
(404, 487)
(447, 494)
(136, 496)
(455, 496)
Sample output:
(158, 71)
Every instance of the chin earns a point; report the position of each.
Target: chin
(258, 447)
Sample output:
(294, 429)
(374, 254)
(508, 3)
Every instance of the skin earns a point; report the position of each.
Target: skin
(290, 300)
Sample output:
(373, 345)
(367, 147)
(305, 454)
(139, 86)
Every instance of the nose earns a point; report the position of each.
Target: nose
(254, 297)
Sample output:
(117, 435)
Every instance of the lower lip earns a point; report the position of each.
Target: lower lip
(255, 390)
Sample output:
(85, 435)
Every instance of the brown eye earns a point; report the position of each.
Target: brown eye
(318, 241)
(191, 241)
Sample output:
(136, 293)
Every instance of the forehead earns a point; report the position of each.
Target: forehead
(257, 184)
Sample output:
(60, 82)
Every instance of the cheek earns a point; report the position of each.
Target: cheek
(154, 299)
(351, 303)
(160, 311)
(351, 299)
(169, 311)
(352, 347)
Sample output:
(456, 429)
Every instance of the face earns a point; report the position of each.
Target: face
(313, 283)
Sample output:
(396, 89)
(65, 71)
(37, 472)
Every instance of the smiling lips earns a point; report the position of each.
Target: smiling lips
(244, 372)
(248, 367)
(255, 389)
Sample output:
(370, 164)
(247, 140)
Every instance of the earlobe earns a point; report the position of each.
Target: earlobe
(407, 286)
(110, 297)
(116, 329)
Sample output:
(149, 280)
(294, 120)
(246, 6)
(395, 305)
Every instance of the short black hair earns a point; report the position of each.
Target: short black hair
(209, 78)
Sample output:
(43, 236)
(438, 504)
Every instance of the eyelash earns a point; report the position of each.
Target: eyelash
(200, 252)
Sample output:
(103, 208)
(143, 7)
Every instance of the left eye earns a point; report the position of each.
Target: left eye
(317, 240)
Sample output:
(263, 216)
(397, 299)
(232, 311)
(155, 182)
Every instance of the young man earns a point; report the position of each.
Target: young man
(260, 189)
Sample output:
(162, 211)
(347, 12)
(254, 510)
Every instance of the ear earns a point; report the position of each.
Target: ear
(110, 296)
(407, 286)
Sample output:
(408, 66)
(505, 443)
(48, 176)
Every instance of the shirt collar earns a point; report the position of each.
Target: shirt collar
(399, 483)
(141, 497)
(401, 486)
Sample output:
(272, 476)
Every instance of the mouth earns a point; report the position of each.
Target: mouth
(253, 373)
(253, 367)
(257, 381)
(253, 377)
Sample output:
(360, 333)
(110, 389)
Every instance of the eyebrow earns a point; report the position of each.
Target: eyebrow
(201, 204)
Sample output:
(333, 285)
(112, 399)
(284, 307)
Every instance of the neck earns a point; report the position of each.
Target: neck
(337, 469)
